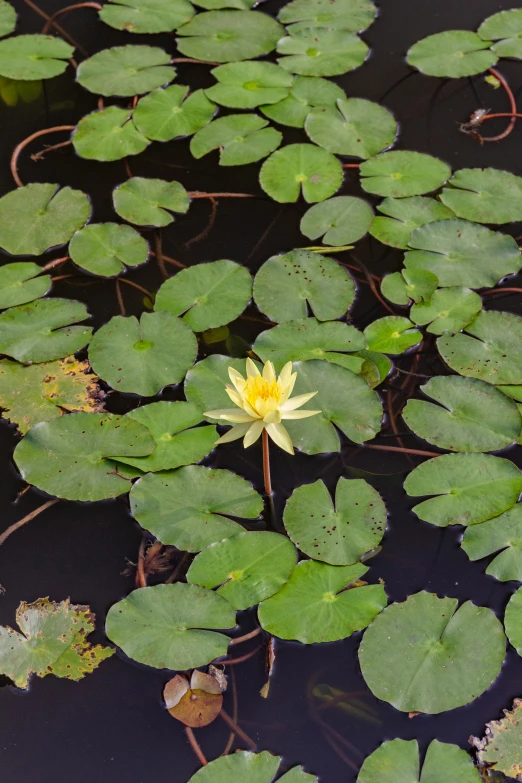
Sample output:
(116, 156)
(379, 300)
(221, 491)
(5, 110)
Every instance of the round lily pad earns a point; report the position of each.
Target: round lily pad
(471, 415)
(40, 216)
(316, 281)
(109, 134)
(401, 173)
(392, 334)
(252, 767)
(500, 536)
(301, 166)
(422, 655)
(205, 382)
(171, 626)
(125, 70)
(351, 15)
(416, 284)
(246, 568)
(340, 534)
(468, 488)
(142, 357)
(19, 284)
(166, 114)
(357, 127)
(453, 54)
(149, 202)
(505, 28)
(229, 36)
(207, 295)
(31, 57)
(339, 221)
(448, 310)
(397, 761)
(403, 215)
(321, 52)
(146, 16)
(484, 195)
(314, 605)
(246, 85)
(105, 249)
(189, 508)
(69, 457)
(513, 620)
(7, 18)
(305, 92)
(240, 138)
(216, 5)
(499, 750)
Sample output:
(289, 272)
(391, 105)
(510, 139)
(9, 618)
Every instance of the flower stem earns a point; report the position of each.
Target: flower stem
(266, 465)
(195, 746)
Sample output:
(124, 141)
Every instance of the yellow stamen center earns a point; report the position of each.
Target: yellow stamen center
(258, 390)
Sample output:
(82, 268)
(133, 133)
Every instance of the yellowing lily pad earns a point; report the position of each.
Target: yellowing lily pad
(499, 749)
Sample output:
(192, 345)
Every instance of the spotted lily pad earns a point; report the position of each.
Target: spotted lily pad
(453, 54)
(502, 535)
(448, 310)
(505, 28)
(392, 334)
(246, 85)
(404, 215)
(205, 382)
(125, 70)
(305, 92)
(169, 113)
(254, 767)
(31, 57)
(105, 249)
(357, 127)
(401, 173)
(240, 138)
(416, 284)
(19, 284)
(7, 18)
(339, 221)
(351, 15)
(228, 36)
(146, 16)
(301, 166)
(499, 750)
(484, 195)
(149, 202)
(397, 761)
(109, 134)
(321, 52)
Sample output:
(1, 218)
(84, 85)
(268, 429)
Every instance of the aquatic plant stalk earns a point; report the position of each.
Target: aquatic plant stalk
(11, 529)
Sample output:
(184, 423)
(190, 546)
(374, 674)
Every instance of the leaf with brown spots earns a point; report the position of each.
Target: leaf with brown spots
(501, 747)
(197, 703)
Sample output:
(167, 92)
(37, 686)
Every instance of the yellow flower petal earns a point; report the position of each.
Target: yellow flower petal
(234, 396)
(272, 417)
(237, 379)
(269, 372)
(298, 414)
(296, 402)
(231, 414)
(251, 369)
(234, 434)
(285, 374)
(288, 389)
(253, 433)
(280, 436)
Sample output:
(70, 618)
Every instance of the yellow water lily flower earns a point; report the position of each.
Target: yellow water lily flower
(263, 401)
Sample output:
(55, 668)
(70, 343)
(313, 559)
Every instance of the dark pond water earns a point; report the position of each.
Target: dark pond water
(113, 727)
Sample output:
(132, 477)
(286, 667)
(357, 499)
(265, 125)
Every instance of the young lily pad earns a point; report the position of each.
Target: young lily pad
(69, 457)
(405, 214)
(171, 626)
(142, 357)
(50, 642)
(301, 166)
(340, 534)
(422, 655)
(397, 761)
(149, 202)
(321, 52)
(249, 84)
(513, 620)
(448, 310)
(468, 488)
(315, 605)
(356, 127)
(189, 508)
(402, 173)
(31, 57)
(7, 18)
(499, 750)
(484, 195)
(40, 216)
(19, 284)
(40, 392)
(502, 535)
(505, 28)
(471, 415)
(39, 331)
(240, 138)
(207, 295)
(305, 92)
(109, 134)
(416, 284)
(351, 15)
(453, 54)
(491, 349)
(392, 334)
(125, 70)
(252, 767)
(146, 16)
(339, 221)
(246, 568)
(166, 114)
(376, 367)
(229, 36)
(316, 282)
(205, 382)
(105, 249)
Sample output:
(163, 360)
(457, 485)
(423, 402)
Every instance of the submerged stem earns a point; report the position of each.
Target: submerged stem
(237, 729)
(513, 106)
(195, 745)
(57, 27)
(246, 637)
(23, 144)
(50, 22)
(11, 529)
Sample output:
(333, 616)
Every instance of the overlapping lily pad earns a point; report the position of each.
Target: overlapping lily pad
(149, 202)
(502, 535)
(401, 173)
(169, 113)
(338, 220)
(109, 134)
(513, 620)
(240, 138)
(403, 216)
(249, 84)
(484, 195)
(416, 284)
(499, 750)
(254, 767)
(31, 57)
(448, 310)
(397, 761)
(216, 5)
(298, 167)
(357, 127)
(229, 36)
(505, 28)
(205, 382)
(146, 16)
(125, 70)
(351, 15)
(7, 18)
(19, 284)
(305, 92)
(453, 54)
(321, 52)
(105, 249)
(392, 334)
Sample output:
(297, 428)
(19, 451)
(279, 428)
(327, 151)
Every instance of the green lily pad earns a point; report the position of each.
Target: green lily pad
(252, 767)
(405, 214)
(515, 392)
(376, 367)
(448, 310)
(505, 28)
(246, 85)
(392, 334)
(315, 605)
(207, 295)
(422, 655)
(105, 249)
(109, 134)
(240, 138)
(19, 284)
(401, 173)
(513, 620)
(229, 36)
(305, 92)
(166, 114)
(69, 457)
(50, 642)
(502, 535)
(146, 16)
(7, 18)
(484, 195)
(246, 568)
(351, 15)
(39, 331)
(31, 57)
(171, 626)
(397, 761)
(301, 166)
(216, 5)
(189, 508)
(339, 221)
(142, 357)
(468, 488)
(471, 415)
(453, 54)
(316, 282)
(340, 534)
(205, 382)
(149, 202)
(356, 127)
(125, 70)
(499, 750)
(491, 349)
(416, 284)
(321, 52)
(40, 216)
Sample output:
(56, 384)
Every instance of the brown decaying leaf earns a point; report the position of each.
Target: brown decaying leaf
(197, 703)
